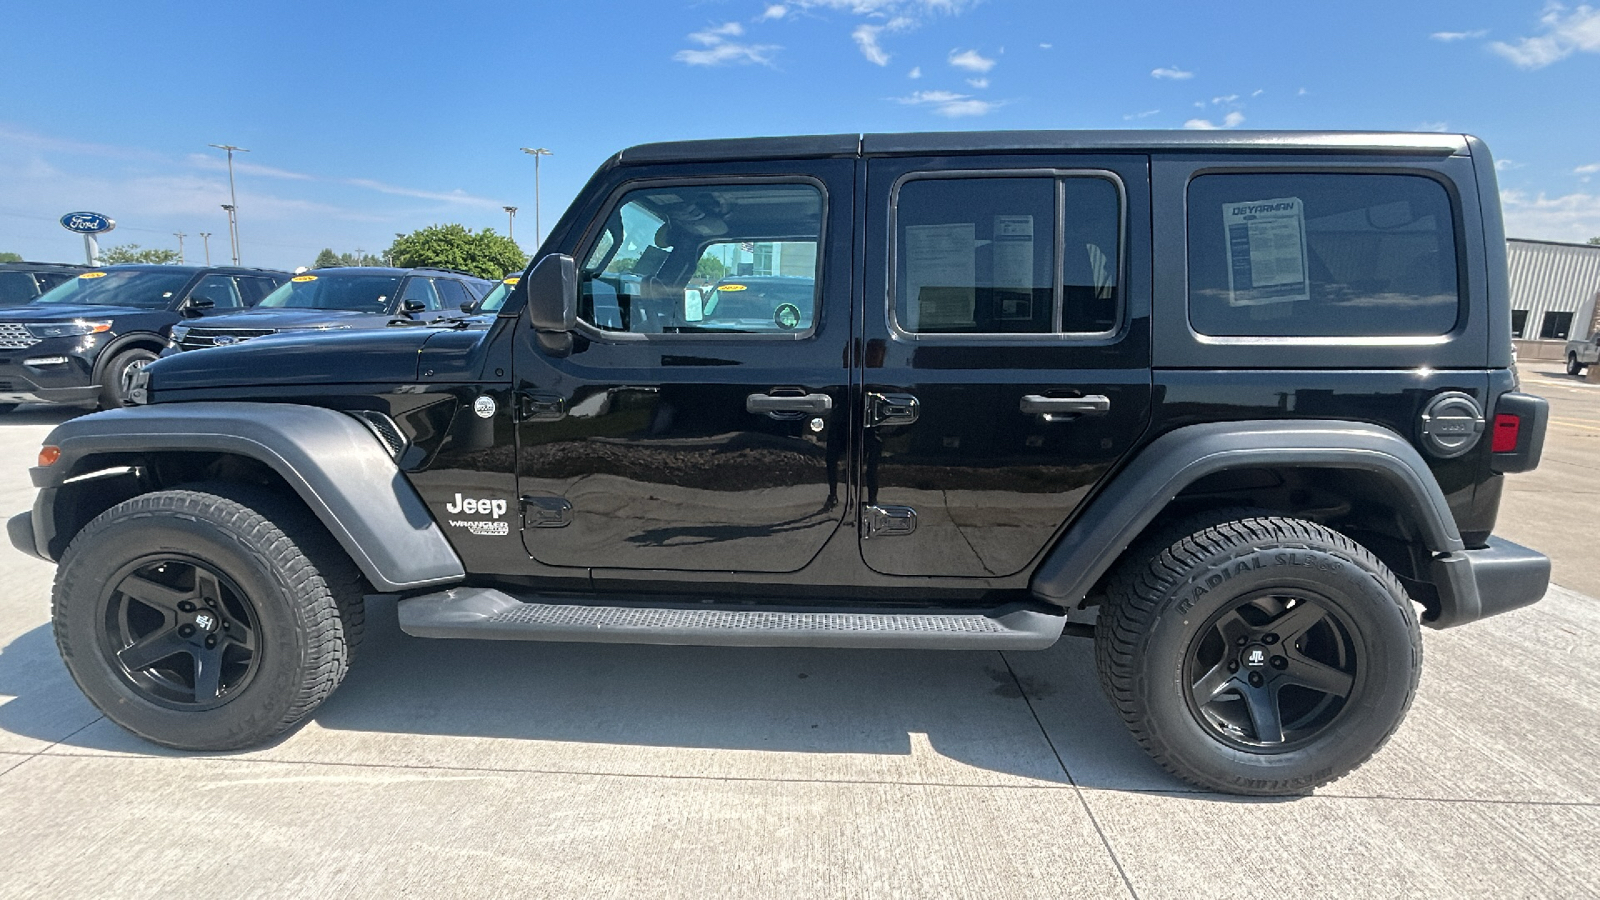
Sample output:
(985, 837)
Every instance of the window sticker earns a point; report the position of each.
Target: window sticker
(941, 269)
(1266, 251)
(1013, 266)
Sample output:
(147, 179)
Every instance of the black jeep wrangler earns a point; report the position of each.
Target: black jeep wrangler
(1237, 405)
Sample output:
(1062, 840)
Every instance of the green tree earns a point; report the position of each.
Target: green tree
(1594, 240)
(483, 253)
(710, 269)
(133, 253)
(327, 259)
(10, 257)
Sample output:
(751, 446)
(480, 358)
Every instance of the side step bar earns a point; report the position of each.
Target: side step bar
(492, 614)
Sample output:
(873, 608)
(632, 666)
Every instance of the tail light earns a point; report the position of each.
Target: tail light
(1507, 428)
(1519, 424)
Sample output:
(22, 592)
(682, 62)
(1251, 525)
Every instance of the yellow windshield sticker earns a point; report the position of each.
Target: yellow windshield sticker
(512, 280)
(93, 275)
(732, 287)
(304, 278)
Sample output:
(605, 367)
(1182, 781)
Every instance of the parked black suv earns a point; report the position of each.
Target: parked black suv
(23, 282)
(81, 341)
(339, 299)
(1238, 405)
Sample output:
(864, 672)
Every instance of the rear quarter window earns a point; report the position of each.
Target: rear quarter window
(1321, 255)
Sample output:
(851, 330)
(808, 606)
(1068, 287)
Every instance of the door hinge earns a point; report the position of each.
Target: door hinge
(887, 521)
(891, 409)
(546, 512)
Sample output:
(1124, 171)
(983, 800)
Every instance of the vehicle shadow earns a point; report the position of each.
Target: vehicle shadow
(42, 414)
(857, 715)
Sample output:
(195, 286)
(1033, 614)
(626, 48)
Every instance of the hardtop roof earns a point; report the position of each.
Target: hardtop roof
(958, 142)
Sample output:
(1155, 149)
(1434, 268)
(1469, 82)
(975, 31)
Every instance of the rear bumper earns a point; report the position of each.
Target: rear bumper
(1473, 584)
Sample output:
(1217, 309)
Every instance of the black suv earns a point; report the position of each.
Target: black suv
(1238, 406)
(339, 299)
(81, 341)
(23, 282)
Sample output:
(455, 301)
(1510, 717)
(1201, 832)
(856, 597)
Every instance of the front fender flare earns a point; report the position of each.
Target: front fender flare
(1177, 459)
(335, 465)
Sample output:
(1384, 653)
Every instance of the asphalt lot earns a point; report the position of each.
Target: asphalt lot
(451, 769)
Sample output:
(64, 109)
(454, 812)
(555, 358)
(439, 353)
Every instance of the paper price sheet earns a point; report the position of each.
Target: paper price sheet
(1266, 251)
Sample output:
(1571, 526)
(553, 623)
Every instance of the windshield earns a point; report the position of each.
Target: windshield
(142, 289)
(358, 293)
(496, 298)
(16, 288)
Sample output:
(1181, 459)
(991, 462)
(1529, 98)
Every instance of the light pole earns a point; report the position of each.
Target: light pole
(205, 238)
(180, 236)
(511, 222)
(232, 232)
(233, 198)
(538, 226)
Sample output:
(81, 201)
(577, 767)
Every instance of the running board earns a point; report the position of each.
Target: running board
(486, 613)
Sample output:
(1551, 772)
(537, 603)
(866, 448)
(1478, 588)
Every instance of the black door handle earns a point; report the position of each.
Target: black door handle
(788, 403)
(1050, 407)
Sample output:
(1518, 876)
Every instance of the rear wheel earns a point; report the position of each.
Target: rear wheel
(118, 376)
(1573, 366)
(194, 621)
(1265, 655)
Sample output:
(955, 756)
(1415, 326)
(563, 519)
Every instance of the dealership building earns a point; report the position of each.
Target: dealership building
(1549, 281)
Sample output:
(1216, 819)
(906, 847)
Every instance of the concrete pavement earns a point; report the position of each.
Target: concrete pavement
(446, 769)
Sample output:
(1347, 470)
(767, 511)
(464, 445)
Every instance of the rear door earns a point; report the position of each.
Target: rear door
(673, 436)
(1007, 365)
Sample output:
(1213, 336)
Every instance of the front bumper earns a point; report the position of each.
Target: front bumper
(20, 529)
(1473, 584)
(51, 371)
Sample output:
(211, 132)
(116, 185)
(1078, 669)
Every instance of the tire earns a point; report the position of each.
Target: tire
(1573, 366)
(1190, 651)
(197, 622)
(114, 378)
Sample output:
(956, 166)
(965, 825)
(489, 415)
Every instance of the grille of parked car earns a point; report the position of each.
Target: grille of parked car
(217, 337)
(14, 336)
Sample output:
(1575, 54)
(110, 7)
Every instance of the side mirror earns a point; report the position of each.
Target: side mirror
(470, 307)
(693, 305)
(553, 294)
(412, 307)
(197, 306)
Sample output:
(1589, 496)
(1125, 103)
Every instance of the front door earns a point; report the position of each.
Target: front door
(1007, 354)
(701, 419)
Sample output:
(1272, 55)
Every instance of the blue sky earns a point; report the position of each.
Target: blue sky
(368, 119)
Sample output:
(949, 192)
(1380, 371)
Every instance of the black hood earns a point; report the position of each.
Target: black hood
(66, 312)
(375, 356)
(289, 318)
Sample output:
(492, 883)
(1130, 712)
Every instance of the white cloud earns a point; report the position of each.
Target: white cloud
(1140, 115)
(1437, 127)
(219, 163)
(979, 83)
(1589, 169)
(1174, 73)
(866, 38)
(1574, 217)
(775, 11)
(1200, 124)
(1302, 92)
(720, 51)
(916, 72)
(1566, 32)
(1506, 165)
(714, 36)
(1448, 36)
(1233, 119)
(971, 60)
(949, 103)
(458, 197)
(888, 8)
(1258, 92)
(1218, 101)
(1046, 46)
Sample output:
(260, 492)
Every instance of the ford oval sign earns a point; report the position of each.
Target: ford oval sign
(87, 223)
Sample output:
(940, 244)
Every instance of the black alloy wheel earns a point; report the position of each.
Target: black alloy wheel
(117, 378)
(1272, 672)
(179, 633)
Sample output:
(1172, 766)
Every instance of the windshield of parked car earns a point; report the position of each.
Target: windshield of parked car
(141, 289)
(358, 293)
(496, 298)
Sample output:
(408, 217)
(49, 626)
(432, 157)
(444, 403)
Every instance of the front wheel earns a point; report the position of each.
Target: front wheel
(118, 376)
(195, 621)
(1573, 366)
(1265, 655)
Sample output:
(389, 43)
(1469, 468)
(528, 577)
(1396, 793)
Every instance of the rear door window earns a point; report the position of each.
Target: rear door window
(1321, 255)
(220, 290)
